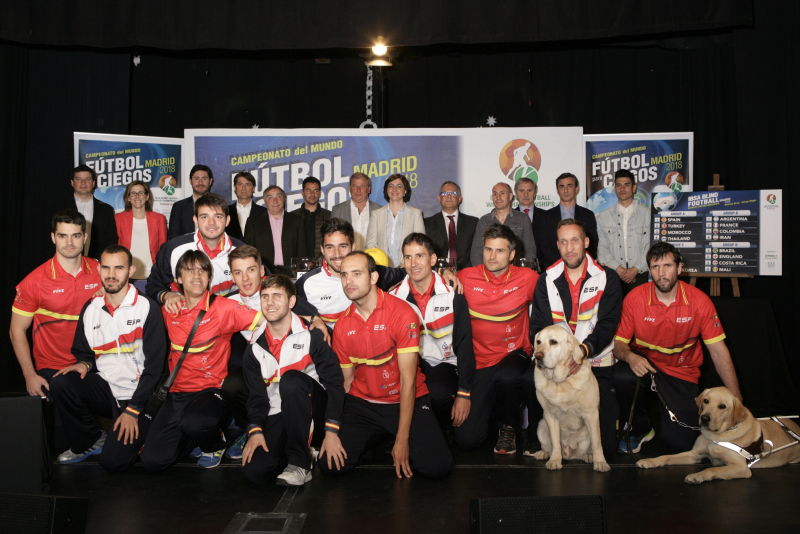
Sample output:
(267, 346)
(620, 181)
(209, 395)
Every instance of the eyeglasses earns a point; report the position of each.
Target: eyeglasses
(448, 194)
(138, 193)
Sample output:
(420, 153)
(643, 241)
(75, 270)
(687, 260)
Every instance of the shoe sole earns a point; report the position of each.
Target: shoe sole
(210, 466)
(234, 457)
(284, 482)
(501, 451)
(648, 437)
(81, 458)
(529, 454)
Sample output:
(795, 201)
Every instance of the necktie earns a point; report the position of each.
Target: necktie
(451, 229)
(528, 212)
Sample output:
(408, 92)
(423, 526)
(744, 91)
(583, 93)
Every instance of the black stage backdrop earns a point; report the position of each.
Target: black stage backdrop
(737, 89)
(292, 25)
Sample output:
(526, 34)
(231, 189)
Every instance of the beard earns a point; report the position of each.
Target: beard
(671, 285)
(576, 263)
(114, 290)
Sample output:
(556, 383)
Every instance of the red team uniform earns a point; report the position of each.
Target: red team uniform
(372, 407)
(54, 298)
(499, 311)
(669, 336)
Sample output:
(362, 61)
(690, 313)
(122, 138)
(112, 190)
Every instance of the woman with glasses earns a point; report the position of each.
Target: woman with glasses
(140, 229)
(389, 225)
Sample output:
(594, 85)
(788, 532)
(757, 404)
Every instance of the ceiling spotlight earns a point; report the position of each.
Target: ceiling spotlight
(379, 49)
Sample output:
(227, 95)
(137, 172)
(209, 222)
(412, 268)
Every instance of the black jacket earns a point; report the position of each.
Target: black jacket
(258, 233)
(608, 313)
(548, 251)
(465, 232)
(104, 225)
(234, 229)
(181, 218)
(328, 370)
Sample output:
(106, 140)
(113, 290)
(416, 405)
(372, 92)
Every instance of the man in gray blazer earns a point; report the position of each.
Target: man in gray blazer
(502, 197)
(356, 210)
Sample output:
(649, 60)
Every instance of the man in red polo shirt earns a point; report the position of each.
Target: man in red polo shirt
(663, 321)
(498, 295)
(51, 298)
(377, 342)
(194, 410)
(585, 298)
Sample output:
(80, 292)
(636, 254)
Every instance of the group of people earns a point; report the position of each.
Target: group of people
(280, 374)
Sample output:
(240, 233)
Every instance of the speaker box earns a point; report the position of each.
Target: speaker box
(571, 514)
(42, 514)
(23, 441)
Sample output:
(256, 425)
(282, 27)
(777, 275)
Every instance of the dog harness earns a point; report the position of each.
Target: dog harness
(755, 452)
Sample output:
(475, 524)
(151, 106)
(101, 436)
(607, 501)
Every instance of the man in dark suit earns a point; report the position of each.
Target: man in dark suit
(439, 227)
(244, 184)
(181, 218)
(567, 185)
(276, 234)
(313, 216)
(526, 190)
(101, 226)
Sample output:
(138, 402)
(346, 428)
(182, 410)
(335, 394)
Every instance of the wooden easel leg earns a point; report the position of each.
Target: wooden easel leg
(735, 282)
(715, 287)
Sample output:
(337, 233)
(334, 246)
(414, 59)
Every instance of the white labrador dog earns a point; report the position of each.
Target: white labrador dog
(571, 403)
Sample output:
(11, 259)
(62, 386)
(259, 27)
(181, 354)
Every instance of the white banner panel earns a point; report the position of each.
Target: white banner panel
(120, 159)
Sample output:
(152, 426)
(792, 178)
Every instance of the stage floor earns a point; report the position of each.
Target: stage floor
(186, 499)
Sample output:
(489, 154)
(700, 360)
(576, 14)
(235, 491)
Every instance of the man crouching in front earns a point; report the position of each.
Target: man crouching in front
(296, 386)
(377, 342)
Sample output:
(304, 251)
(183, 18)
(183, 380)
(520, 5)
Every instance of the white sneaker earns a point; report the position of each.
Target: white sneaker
(293, 476)
(69, 457)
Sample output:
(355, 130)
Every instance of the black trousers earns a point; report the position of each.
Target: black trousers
(289, 433)
(641, 278)
(185, 421)
(609, 408)
(60, 440)
(678, 394)
(365, 424)
(235, 392)
(78, 401)
(442, 382)
(498, 386)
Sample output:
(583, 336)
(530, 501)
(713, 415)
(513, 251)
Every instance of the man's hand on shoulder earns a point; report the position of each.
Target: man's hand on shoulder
(172, 302)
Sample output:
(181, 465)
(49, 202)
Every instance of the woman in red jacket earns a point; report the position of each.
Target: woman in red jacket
(140, 229)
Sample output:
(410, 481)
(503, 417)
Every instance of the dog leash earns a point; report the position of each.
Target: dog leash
(754, 458)
(672, 416)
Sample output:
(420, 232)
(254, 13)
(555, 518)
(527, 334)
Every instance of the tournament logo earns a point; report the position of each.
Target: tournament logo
(167, 183)
(772, 198)
(675, 181)
(520, 159)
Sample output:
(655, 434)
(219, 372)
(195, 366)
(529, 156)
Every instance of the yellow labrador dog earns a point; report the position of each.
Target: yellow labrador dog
(724, 419)
(571, 425)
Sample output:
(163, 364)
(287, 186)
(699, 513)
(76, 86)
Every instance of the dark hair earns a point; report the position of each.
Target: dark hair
(202, 168)
(501, 231)
(334, 225)
(85, 168)
(280, 280)
(624, 173)
(661, 249)
(191, 258)
(406, 186)
(118, 249)
(360, 175)
(246, 175)
(242, 253)
(68, 217)
(126, 196)
(524, 180)
(449, 182)
(568, 222)
(371, 265)
(567, 175)
(311, 180)
(419, 239)
(211, 200)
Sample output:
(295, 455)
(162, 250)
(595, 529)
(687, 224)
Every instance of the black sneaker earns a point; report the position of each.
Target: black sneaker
(507, 443)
